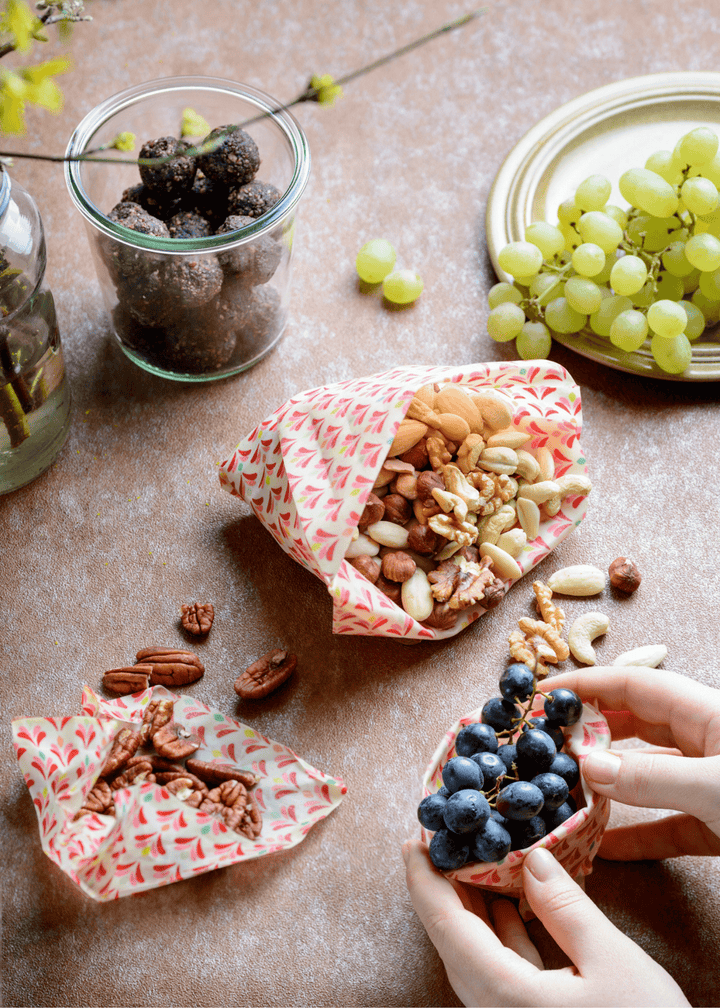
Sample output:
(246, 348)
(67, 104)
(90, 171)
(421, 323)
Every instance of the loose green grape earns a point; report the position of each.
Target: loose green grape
(582, 295)
(545, 287)
(568, 213)
(628, 275)
(503, 293)
(561, 317)
(664, 164)
(375, 260)
(672, 355)
(697, 147)
(696, 320)
(588, 259)
(710, 285)
(666, 319)
(649, 192)
(699, 195)
(703, 252)
(629, 330)
(618, 215)
(505, 322)
(533, 341)
(610, 308)
(675, 261)
(710, 309)
(598, 228)
(402, 286)
(593, 193)
(549, 239)
(520, 259)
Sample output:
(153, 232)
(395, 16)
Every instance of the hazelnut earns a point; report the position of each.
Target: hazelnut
(442, 617)
(374, 511)
(417, 456)
(406, 485)
(398, 566)
(624, 575)
(398, 509)
(366, 566)
(428, 481)
(390, 588)
(422, 539)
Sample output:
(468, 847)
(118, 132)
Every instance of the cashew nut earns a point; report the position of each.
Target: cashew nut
(584, 630)
(503, 518)
(510, 437)
(649, 656)
(546, 463)
(527, 466)
(539, 492)
(513, 542)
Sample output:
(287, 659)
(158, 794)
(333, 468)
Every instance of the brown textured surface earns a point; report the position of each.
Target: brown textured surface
(100, 552)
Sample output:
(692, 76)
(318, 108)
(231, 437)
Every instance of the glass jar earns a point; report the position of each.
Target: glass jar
(34, 393)
(191, 308)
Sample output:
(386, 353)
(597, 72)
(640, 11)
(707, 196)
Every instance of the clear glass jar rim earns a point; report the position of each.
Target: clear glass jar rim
(86, 129)
(4, 189)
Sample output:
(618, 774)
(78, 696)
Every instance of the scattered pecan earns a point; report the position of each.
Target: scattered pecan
(141, 771)
(125, 745)
(444, 580)
(216, 773)
(265, 674)
(232, 801)
(169, 742)
(373, 512)
(157, 713)
(398, 509)
(98, 799)
(197, 618)
(366, 566)
(171, 666)
(398, 566)
(624, 575)
(130, 679)
(184, 789)
(167, 776)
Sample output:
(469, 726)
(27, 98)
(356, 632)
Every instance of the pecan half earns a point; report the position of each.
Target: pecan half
(197, 618)
(141, 771)
(170, 743)
(184, 789)
(236, 807)
(171, 666)
(265, 674)
(125, 744)
(216, 773)
(130, 679)
(98, 799)
(157, 713)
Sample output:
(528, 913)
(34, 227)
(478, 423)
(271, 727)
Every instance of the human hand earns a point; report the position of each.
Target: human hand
(679, 718)
(497, 964)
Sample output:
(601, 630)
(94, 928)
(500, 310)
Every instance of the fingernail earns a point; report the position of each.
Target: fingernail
(602, 767)
(406, 851)
(541, 864)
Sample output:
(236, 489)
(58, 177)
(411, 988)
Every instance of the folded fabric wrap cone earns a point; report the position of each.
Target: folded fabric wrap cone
(574, 843)
(306, 472)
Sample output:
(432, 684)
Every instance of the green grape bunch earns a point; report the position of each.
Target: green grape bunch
(648, 273)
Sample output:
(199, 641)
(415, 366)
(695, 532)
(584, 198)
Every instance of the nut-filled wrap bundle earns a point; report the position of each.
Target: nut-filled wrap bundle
(308, 471)
(153, 837)
(574, 843)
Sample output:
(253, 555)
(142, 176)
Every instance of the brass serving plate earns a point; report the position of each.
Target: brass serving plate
(604, 132)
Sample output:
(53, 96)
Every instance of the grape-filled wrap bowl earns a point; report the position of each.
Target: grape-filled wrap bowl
(418, 526)
(503, 804)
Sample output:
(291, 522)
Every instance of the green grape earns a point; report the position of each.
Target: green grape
(561, 317)
(582, 295)
(672, 355)
(710, 309)
(699, 195)
(525, 281)
(588, 259)
(593, 193)
(653, 233)
(696, 320)
(691, 281)
(628, 275)
(610, 308)
(604, 275)
(520, 259)
(649, 192)
(668, 287)
(549, 239)
(708, 224)
(545, 287)
(618, 215)
(664, 164)
(598, 228)
(533, 341)
(505, 322)
(675, 261)
(375, 260)
(402, 287)
(710, 170)
(697, 147)
(703, 251)
(666, 319)
(629, 330)
(568, 213)
(502, 293)
(710, 285)
(570, 236)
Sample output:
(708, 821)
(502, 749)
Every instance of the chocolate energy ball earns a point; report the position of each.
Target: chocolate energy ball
(171, 177)
(190, 283)
(133, 216)
(234, 162)
(258, 318)
(207, 199)
(202, 339)
(189, 224)
(252, 199)
(253, 263)
(157, 204)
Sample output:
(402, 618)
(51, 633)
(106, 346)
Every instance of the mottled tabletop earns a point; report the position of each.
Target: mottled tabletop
(130, 522)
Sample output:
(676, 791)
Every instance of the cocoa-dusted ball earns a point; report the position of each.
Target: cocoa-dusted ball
(132, 215)
(236, 159)
(252, 199)
(171, 177)
(157, 204)
(257, 317)
(188, 224)
(190, 283)
(253, 263)
(206, 198)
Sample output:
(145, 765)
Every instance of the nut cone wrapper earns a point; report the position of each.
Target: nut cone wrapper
(154, 838)
(306, 471)
(574, 843)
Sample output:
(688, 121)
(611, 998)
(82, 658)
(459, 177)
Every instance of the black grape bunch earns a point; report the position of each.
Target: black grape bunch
(510, 782)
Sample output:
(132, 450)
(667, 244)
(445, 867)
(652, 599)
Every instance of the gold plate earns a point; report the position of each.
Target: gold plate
(604, 132)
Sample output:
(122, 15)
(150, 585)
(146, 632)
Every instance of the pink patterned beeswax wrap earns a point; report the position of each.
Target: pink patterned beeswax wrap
(154, 838)
(574, 843)
(307, 470)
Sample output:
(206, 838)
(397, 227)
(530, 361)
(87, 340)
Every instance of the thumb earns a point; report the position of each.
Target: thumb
(654, 780)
